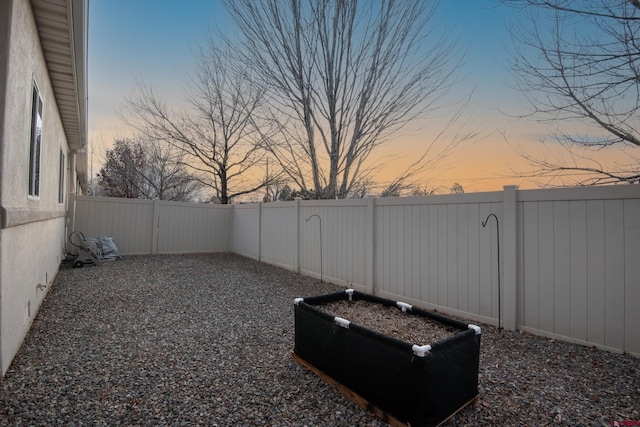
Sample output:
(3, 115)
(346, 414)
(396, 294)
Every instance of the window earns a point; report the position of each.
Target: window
(61, 178)
(35, 143)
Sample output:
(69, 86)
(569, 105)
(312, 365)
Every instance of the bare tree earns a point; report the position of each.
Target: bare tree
(341, 78)
(133, 169)
(456, 188)
(166, 175)
(579, 62)
(217, 127)
(120, 176)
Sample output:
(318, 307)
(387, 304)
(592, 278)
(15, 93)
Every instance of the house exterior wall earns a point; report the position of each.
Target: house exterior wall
(32, 228)
(29, 265)
(26, 65)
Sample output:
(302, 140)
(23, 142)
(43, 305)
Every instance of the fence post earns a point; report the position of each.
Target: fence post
(296, 250)
(156, 227)
(370, 249)
(71, 214)
(259, 239)
(510, 256)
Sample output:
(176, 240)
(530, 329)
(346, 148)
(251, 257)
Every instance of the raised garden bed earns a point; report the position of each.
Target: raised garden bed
(359, 344)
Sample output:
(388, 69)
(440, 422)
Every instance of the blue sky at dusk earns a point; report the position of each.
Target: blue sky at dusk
(154, 41)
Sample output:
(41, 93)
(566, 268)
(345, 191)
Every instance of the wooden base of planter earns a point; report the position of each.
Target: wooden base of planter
(362, 402)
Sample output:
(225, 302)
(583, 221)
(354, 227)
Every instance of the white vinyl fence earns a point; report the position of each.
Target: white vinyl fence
(431, 251)
(569, 265)
(153, 226)
(579, 258)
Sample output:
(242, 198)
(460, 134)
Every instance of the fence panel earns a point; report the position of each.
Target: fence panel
(577, 278)
(632, 275)
(245, 231)
(339, 253)
(571, 271)
(191, 227)
(595, 271)
(145, 226)
(434, 251)
(579, 266)
(279, 234)
(128, 221)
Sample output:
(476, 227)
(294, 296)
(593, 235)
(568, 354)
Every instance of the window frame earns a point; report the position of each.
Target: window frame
(61, 176)
(35, 143)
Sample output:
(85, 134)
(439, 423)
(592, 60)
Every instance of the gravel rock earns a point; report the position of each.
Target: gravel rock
(207, 340)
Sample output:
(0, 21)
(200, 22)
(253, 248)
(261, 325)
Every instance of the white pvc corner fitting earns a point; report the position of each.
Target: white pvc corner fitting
(421, 350)
(350, 293)
(404, 306)
(475, 328)
(297, 301)
(341, 322)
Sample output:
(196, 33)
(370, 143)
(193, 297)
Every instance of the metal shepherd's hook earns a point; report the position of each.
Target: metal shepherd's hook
(320, 220)
(484, 224)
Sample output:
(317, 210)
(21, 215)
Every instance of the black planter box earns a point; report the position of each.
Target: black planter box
(418, 384)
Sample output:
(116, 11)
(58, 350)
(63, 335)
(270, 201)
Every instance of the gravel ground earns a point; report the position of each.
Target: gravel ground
(207, 340)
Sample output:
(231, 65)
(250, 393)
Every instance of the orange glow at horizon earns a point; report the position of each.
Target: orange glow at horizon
(484, 163)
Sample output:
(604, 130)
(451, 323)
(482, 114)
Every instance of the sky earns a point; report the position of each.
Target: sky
(153, 41)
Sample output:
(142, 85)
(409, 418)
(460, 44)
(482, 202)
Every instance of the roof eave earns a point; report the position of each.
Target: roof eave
(63, 29)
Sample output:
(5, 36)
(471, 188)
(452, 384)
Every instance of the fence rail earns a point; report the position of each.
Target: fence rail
(568, 257)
